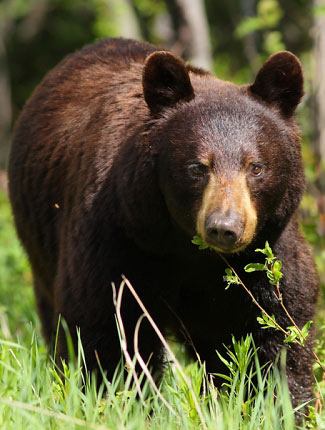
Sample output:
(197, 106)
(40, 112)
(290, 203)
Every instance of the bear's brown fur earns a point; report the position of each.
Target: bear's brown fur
(121, 155)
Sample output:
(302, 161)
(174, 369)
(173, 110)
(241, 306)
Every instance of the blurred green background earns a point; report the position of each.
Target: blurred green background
(230, 37)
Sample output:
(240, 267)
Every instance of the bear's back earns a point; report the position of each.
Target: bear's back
(72, 121)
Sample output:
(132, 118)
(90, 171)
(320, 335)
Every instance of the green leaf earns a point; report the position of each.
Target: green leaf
(306, 327)
(197, 240)
(293, 334)
(266, 251)
(296, 336)
(230, 278)
(270, 275)
(267, 322)
(277, 265)
(253, 267)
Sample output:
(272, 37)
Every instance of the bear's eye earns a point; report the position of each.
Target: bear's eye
(197, 170)
(256, 169)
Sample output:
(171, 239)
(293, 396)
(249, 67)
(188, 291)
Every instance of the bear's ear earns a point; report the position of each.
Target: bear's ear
(280, 82)
(165, 81)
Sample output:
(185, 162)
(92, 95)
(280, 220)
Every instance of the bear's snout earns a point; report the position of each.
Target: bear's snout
(227, 218)
(224, 230)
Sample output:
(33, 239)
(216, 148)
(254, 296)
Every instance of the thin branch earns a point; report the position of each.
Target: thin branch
(252, 296)
(306, 347)
(117, 303)
(145, 367)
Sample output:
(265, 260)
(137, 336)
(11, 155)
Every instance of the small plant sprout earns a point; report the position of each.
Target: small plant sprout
(267, 322)
(230, 278)
(272, 267)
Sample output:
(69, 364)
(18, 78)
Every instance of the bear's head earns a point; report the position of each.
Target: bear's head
(228, 158)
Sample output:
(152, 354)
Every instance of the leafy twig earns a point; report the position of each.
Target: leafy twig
(272, 266)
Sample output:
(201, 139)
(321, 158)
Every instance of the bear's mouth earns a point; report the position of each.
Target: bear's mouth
(228, 250)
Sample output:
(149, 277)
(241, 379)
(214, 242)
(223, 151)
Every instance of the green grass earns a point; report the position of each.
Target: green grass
(16, 295)
(33, 395)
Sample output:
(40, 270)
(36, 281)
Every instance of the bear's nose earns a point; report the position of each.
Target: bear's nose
(223, 230)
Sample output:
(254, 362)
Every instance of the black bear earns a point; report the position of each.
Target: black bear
(123, 154)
